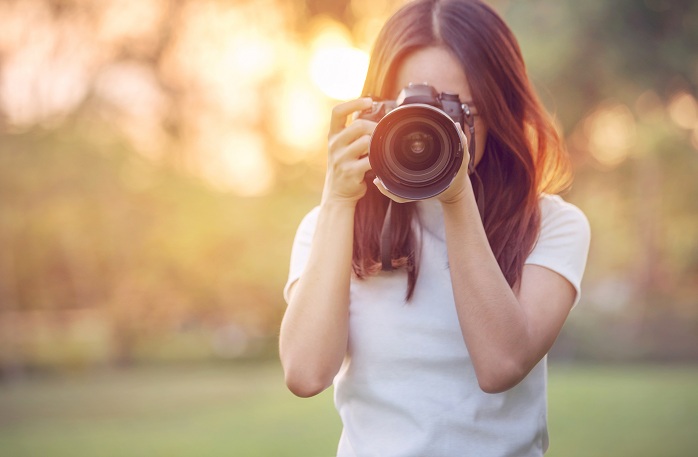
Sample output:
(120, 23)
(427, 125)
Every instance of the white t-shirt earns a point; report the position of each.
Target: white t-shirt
(407, 386)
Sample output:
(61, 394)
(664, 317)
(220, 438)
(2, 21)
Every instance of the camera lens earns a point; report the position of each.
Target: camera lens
(417, 142)
(416, 151)
(416, 147)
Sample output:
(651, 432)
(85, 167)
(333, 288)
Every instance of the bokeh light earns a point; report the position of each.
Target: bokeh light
(683, 110)
(237, 162)
(336, 67)
(611, 133)
(302, 114)
(339, 72)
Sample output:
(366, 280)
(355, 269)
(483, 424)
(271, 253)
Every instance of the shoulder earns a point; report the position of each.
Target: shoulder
(306, 229)
(563, 240)
(307, 225)
(559, 215)
(310, 219)
(555, 206)
(301, 248)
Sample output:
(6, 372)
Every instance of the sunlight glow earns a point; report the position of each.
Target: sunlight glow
(303, 117)
(226, 55)
(135, 98)
(337, 68)
(649, 107)
(238, 163)
(339, 72)
(683, 110)
(132, 22)
(45, 64)
(611, 133)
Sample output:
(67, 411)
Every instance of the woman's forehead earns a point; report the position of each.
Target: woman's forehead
(436, 66)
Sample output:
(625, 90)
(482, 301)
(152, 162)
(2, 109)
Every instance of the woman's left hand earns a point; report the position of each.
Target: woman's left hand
(461, 183)
(389, 194)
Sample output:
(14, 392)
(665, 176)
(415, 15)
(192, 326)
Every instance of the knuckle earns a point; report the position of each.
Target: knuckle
(364, 125)
(335, 143)
(339, 111)
(331, 142)
(339, 167)
(359, 122)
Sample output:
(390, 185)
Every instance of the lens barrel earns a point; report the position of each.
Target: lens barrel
(416, 151)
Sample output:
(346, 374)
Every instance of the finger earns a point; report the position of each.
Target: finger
(466, 145)
(362, 166)
(354, 131)
(341, 112)
(355, 150)
(358, 169)
(463, 136)
(387, 193)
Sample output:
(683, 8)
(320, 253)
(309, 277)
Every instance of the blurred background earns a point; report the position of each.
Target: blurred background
(156, 157)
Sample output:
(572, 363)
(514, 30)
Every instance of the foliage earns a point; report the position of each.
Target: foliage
(152, 176)
(621, 79)
(93, 226)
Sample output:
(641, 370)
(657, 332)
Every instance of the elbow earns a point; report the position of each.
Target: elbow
(496, 386)
(305, 374)
(504, 376)
(304, 389)
(304, 384)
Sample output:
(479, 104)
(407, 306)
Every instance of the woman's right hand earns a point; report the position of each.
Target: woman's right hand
(347, 160)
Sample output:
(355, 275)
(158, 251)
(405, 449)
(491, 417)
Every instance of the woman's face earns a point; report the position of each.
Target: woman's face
(438, 67)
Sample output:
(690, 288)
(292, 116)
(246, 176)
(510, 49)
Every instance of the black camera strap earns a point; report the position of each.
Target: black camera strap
(469, 120)
(387, 240)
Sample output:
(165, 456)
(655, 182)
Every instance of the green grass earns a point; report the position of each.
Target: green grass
(225, 411)
(623, 411)
(246, 411)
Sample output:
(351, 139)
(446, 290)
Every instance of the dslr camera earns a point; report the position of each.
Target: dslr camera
(416, 149)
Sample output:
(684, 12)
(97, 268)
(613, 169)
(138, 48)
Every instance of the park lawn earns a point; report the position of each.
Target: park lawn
(244, 410)
(170, 412)
(634, 411)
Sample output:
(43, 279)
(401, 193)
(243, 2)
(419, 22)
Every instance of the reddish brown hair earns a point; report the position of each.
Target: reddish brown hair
(523, 154)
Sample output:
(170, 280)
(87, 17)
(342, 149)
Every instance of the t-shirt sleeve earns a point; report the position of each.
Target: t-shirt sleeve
(301, 249)
(563, 242)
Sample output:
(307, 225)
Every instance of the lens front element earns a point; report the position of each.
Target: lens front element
(417, 142)
(415, 146)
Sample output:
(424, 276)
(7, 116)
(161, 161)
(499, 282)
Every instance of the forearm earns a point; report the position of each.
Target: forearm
(314, 331)
(493, 322)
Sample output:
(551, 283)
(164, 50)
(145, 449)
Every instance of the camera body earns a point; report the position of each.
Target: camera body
(422, 94)
(416, 149)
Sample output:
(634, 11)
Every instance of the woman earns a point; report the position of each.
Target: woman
(445, 354)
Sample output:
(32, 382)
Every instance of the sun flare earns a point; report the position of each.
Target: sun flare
(339, 71)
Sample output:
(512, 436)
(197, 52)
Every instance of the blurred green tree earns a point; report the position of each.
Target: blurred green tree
(150, 169)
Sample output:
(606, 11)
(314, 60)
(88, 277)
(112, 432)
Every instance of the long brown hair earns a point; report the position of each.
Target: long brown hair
(523, 155)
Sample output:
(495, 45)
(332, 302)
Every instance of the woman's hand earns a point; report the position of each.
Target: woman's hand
(461, 183)
(377, 182)
(347, 160)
